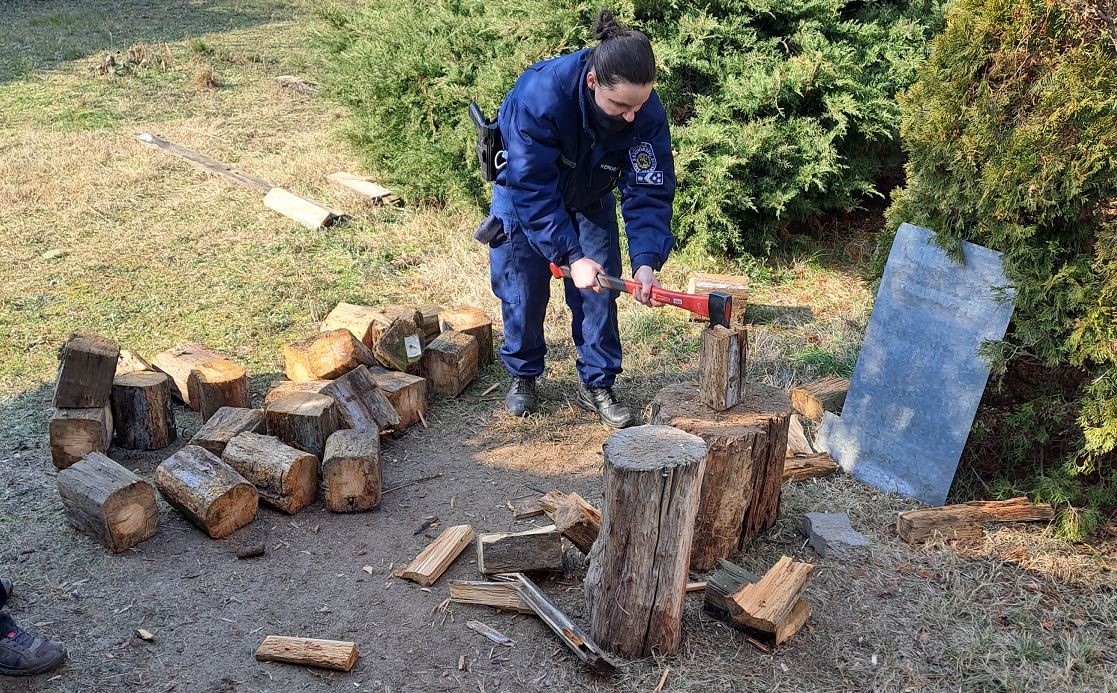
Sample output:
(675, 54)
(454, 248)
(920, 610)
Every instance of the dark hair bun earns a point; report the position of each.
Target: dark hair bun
(606, 26)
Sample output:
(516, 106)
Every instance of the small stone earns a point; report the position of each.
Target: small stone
(145, 634)
(831, 535)
(53, 254)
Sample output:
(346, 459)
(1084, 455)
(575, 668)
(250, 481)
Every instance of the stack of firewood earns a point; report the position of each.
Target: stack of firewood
(366, 373)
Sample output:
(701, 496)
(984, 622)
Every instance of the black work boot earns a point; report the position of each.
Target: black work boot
(520, 399)
(604, 402)
(26, 654)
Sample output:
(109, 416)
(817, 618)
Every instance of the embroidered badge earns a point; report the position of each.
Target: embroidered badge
(643, 161)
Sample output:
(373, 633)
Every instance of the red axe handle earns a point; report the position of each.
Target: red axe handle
(697, 304)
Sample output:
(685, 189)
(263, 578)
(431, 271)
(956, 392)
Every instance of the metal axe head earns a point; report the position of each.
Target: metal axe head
(720, 307)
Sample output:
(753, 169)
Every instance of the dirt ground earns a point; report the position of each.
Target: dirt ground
(905, 619)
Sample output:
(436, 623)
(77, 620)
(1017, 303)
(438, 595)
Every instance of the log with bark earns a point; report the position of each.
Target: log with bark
(803, 467)
(310, 652)
(578, 521)
(361, 405)
(398, 344)
(351, 471)
(207, 491)
(722, 366)
(771, 604)
(537, 549)
(86, 367)
(473, 322)
(74, 433)
(108, 502)
(406, 392)
(818, 396)
(143, 414)
(450, 363)
(432, 561)
(525, 507)
(735, 286)
(744, 468)
(325, 356)
(180, 361)
(636, 582)
(285, 478)
(215, 384)
(281, 388)
(225, 424)
(303, 420)
(965, 520)
(428, 322)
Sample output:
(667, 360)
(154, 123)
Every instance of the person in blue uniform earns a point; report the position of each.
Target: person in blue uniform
(576, 128)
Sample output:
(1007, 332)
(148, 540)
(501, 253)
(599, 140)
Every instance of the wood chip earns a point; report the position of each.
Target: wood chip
(490, 633)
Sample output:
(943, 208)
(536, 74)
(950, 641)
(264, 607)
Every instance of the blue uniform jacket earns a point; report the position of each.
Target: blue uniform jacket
(557, 163)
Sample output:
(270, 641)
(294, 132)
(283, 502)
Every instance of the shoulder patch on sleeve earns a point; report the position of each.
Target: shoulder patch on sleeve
(643, 161)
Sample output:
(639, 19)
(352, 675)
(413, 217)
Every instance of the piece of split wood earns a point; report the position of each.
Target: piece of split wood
(490, 633)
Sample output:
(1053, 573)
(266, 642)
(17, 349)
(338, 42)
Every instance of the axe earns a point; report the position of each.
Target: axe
(716, 305)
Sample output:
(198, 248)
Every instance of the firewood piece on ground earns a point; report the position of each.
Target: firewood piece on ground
(803, 467)
(143, 414)
(744, 468)
(398, 342)
(309, 652)
(285, 478)
(207, 491)
(735, 286)
(131, 362)
(303, 420)
(295, 84)
(108, 502)
(636, 582)
(578, 521)
(215, 384)
(722, 366)
(966, 520)
(407, 394)
(472, 322)
(525, 507)
(375, 193)
(178, 362)
(74, 433)
(225, 424)
(537, 549)
(551, 500)
(360, 320)
(325, 356)
(429, 324)
(450, 363)
(504, 596)
(490, 633)
(724, 582)
(818, 396)
(432, 561)
(579, 642)
(86, 367)
(797, 443)
(361, 405)
(351, 471)
(281, 388)
(768, 605)
(308, 213)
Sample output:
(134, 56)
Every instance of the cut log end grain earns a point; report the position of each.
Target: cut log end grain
(816, 397)
(722, 366)
(86, 367)
(281, 388)
(108, 502)
(215, 384)
(325, 356)
(178, 362)
(726, 581)
(74, 433)
(407, 394)
(142, 411)
(768, 605)
(207, 491)
(327, 654)
(361, 321)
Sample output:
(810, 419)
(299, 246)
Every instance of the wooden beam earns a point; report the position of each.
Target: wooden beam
(307, 213)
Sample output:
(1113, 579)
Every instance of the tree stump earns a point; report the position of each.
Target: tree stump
(142, 412)
(225, 424)
(86, 366)
(744, 467)
(285, 478)
(360, 403)
(325, 356)
(721, 366)
(473, 322)
(74, 433)
(303, 420)
(207, 491)
(636, 582)
(108, 502)
(406, 392)
(351, 471)
(450, 363)
(216, 384)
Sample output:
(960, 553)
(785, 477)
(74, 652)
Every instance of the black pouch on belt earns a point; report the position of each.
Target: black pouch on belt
(490, 145)
(491, 231)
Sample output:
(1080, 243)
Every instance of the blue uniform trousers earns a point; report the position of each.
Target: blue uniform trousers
(521, 279)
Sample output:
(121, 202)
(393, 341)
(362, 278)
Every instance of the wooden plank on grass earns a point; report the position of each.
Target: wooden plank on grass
(376, 193)
(205, 163)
